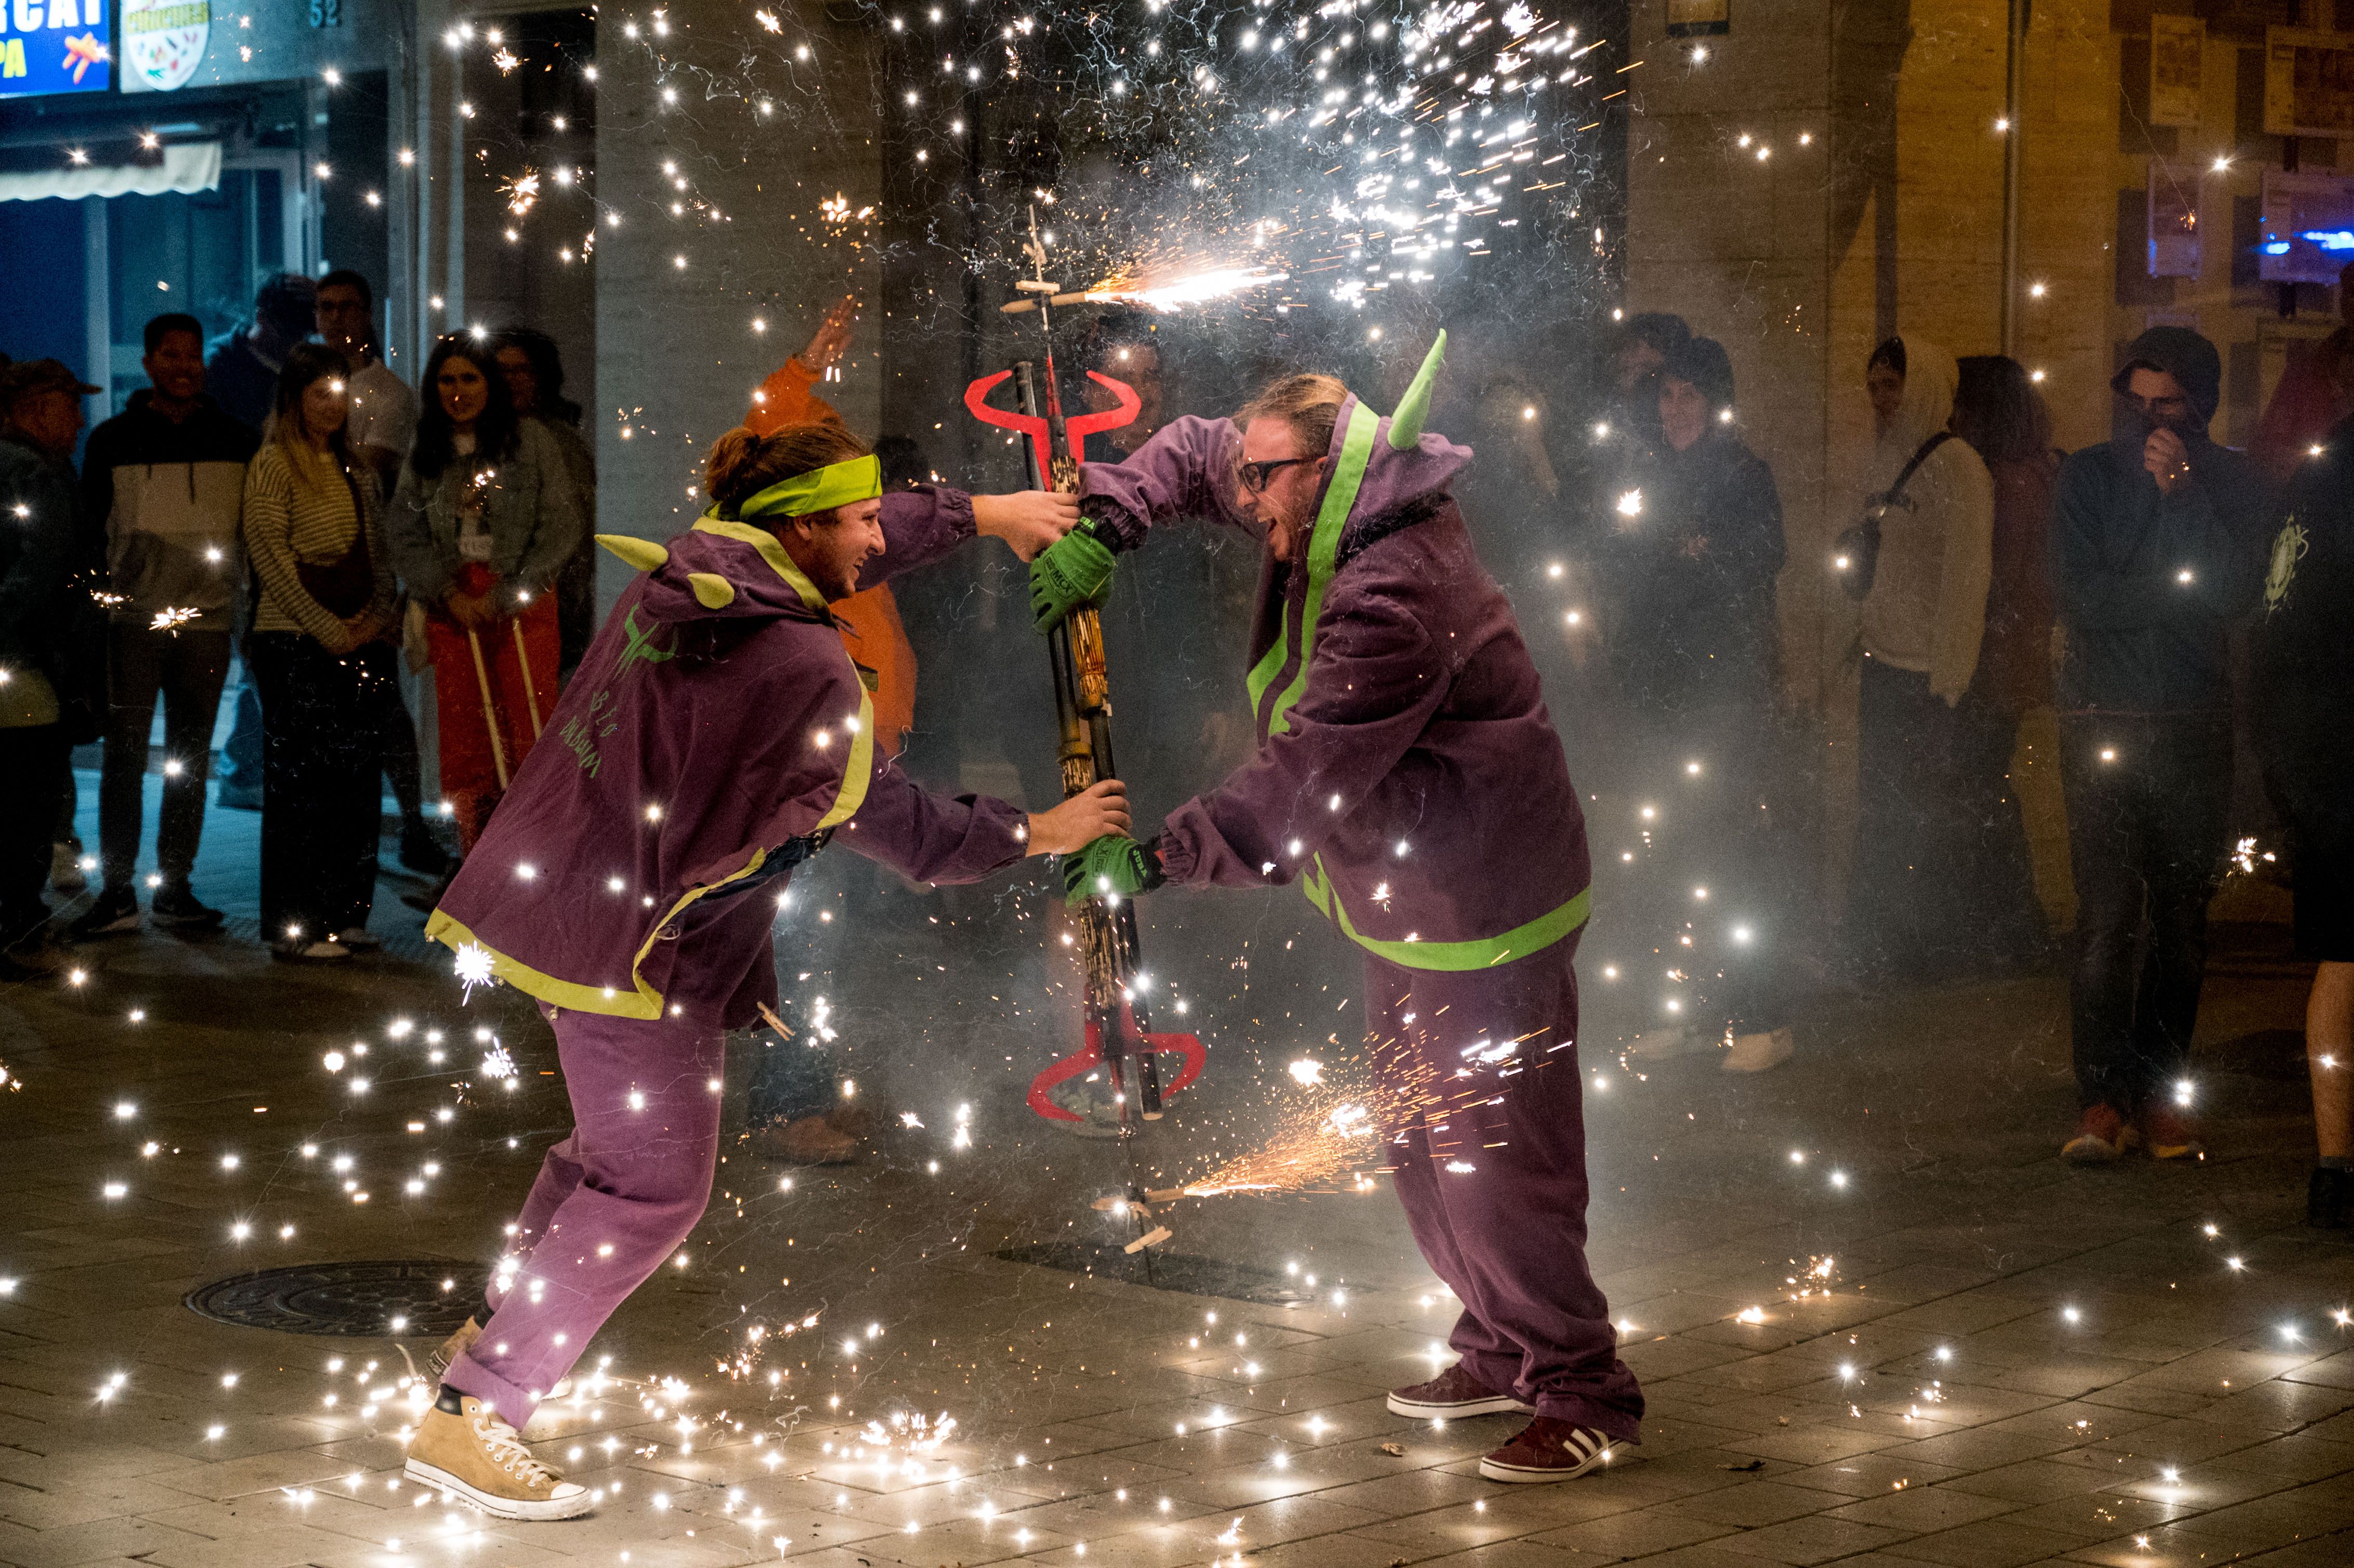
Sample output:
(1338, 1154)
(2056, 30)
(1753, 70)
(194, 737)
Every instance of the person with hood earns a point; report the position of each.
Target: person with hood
(1924, 618)
(2303, 708)
(166, 479)
(716, 734)
(2157, 547)
(1694, 652)
(1408, 780)
(41, 418)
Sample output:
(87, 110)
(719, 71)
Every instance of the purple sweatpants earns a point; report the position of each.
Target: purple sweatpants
(1479, 1073)
(612, 1203)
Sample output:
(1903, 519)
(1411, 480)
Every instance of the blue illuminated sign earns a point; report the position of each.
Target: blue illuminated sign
(54, 45)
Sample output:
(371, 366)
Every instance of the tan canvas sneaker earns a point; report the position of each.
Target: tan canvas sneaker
(462, 1340)
(476, 1457)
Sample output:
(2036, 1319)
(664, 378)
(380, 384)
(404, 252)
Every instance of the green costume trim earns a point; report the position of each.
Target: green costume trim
(1405, 425)
(1480, 953)
(642, 554)
(771, 551)
(820, 490)
(1323, 551)
(642, 1001)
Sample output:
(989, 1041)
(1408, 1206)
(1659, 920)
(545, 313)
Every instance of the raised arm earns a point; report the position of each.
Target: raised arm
(1186, 470)
(2205, 547)
(919, 526)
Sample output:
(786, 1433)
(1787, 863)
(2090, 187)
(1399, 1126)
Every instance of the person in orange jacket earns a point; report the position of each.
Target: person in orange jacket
(792, 1103)
(873, 632)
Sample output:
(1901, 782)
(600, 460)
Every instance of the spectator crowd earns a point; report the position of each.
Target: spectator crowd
(283, 505)
(288, 505)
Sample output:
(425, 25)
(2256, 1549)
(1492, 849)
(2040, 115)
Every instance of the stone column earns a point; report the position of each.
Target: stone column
(688, 270)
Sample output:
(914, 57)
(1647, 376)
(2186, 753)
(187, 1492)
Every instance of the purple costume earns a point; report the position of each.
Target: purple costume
(715, 734)
(1410, 780)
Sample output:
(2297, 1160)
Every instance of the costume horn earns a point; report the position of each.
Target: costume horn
(1405, 425)
(642, 554)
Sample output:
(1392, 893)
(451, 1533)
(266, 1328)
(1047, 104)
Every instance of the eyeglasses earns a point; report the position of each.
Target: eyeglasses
(1257, 475)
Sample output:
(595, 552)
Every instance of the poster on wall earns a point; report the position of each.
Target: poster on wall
(164, 42)
(2306, 228)
(2177, 45)
(2308, 83)
(2173, 222)
(54, 45)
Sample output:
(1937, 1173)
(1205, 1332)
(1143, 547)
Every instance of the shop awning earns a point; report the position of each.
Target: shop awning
(185, 166)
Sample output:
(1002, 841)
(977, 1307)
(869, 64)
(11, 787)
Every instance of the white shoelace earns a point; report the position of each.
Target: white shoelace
(506, 1450)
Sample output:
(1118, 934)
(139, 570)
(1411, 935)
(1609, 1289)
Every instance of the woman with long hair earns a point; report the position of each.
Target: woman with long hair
(1998, 411)
(313, 533)
(718, 735)
(533, 372)
(482, 524)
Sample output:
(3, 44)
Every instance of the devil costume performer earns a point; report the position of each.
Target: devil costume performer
(1409, 781)
(715, 734)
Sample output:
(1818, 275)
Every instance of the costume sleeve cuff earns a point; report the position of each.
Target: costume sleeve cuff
(1174, 853)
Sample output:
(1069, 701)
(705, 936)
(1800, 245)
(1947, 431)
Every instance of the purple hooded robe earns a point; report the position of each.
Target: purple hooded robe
(1416, 787)
(713, 729)
(1409, 778)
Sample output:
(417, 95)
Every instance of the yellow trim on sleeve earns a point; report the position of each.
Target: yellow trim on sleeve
(642, 1001)
(860, 769)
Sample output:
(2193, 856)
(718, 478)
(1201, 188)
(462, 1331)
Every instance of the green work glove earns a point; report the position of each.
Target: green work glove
(1073, 572)
(1112, 864)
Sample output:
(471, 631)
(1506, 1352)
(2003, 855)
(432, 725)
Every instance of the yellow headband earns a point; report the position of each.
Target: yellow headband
(820, 490)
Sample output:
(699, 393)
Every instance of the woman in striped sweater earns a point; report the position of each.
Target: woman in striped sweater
(319, 657)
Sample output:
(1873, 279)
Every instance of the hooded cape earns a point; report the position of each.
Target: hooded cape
(715, 726)
(1408, 777)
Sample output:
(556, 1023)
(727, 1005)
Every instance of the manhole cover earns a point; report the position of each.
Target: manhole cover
(1163, 1271)
(404, 1297)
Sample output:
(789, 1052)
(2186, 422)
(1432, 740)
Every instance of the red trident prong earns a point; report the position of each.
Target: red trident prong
(976, 398)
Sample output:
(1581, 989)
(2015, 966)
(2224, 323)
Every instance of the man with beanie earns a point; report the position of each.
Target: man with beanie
(2158, 545)
(165, 479)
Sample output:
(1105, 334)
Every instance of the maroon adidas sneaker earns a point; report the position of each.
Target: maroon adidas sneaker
(1548, 1450)
(1454, 1392)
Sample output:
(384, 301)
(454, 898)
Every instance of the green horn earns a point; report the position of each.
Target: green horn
(1405, 425)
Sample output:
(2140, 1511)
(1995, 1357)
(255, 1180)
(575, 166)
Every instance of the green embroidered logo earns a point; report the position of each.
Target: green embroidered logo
(2288, 547)
(640, 647)
(581, 732)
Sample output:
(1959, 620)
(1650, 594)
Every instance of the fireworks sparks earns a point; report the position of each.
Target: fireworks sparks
(1218, 283)
(171, 620)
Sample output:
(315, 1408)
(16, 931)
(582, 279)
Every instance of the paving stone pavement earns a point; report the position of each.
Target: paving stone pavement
(1877, 1321)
